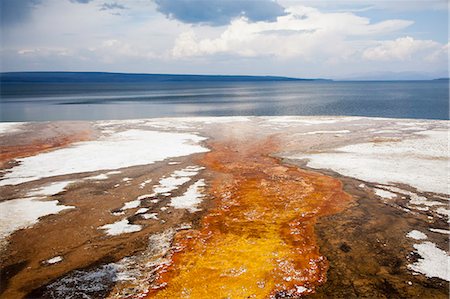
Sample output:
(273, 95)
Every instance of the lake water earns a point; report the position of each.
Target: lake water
(81, 101)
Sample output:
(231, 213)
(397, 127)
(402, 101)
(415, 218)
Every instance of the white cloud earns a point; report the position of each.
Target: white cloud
(365, 5)
(404, 48)
(440, 54)
(111, 50)
(304, 32)
(329, 40)
(47, 52)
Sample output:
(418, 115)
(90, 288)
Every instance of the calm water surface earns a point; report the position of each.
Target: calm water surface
(75, 101)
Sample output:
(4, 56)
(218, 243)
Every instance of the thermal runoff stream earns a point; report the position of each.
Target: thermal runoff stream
(258, 241)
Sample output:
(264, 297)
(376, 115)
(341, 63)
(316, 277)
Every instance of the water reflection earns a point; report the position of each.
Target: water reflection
(28, 102)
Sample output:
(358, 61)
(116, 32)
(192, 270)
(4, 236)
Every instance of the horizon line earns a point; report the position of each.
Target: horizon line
(288, 78)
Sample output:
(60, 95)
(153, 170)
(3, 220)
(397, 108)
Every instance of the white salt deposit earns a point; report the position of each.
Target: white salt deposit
(24, 212)
(50, 189)
(301, 289)
(416, 235)
(98, 177)
(325, 132)
(10, 127)
(123, 149)
(191, 198)
(444, 212)
(303, 120)
(213, 120)
(175, 180)
(54, 260)
(188, 171)
(386, 131)
(184, 226)
(421, 163)
(410, 123)
(131, 204)
(142, 185)
(414, 128)
(127, 179)
(190, 123)
(142, 210)
(415, 199)
(384, 194)
(434, 262)
(113, 172)
(440, 231)
(421, 200)
(422, 208)
(444, 197)
(169, 184)
(144, 196)
(150, 216)
(109, 123)
(120, 227)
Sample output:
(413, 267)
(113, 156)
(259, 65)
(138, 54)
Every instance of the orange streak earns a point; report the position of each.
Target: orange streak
(259, 240)
(8, 153)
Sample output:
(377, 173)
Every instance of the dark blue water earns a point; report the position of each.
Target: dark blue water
(92, 101)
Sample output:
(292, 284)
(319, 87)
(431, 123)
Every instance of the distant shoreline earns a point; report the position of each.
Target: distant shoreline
(117, 77)
(85, 77)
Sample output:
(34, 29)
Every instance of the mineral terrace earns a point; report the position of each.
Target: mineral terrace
(225, 207)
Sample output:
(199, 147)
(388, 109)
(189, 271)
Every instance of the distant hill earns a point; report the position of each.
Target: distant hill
(100, 77)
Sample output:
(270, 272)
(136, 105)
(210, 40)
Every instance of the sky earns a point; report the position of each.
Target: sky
(338, 39)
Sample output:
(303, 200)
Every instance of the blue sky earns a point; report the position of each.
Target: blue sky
(311, 38)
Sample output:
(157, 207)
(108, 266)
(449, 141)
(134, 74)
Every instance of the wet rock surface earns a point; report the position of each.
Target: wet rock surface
(369, 253)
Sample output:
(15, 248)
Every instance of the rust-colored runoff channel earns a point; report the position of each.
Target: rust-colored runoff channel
(258, 241)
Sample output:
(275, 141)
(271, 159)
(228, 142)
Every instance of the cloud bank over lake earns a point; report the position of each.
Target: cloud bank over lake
(287, 38)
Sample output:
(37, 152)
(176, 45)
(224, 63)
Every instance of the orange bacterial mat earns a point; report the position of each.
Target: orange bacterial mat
(258, 241)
